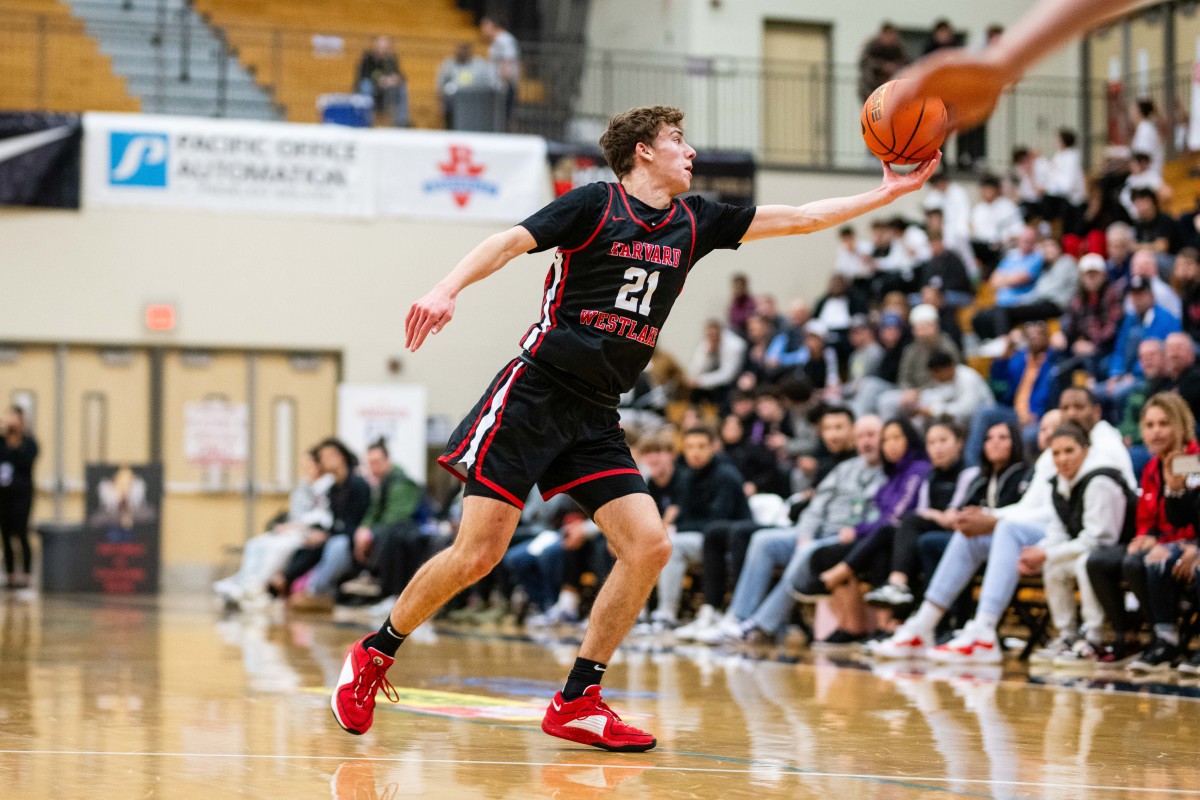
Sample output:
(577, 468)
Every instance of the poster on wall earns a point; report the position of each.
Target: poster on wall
(724, 176)
(396, 414)
(460, 176)
(216, 433)
(123, 526)
(228, 165)
(40, 159)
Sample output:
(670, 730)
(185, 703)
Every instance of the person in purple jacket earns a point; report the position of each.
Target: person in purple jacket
(860, 550)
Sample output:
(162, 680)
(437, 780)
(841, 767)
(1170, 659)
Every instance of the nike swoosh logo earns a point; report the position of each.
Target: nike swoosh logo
(20, 145)
(557, 707)
(599, 668)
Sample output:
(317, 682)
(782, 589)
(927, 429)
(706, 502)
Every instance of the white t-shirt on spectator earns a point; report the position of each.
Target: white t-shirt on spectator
(1066, 176)
(504, 48)
(852, 263)
(996, 222)
(1030, 190)
(1143, 180)
(1146, 139)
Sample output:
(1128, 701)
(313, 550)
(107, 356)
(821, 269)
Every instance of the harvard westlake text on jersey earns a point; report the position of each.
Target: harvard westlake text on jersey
(619, 266)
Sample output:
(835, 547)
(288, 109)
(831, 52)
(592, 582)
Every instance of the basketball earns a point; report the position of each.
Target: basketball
(904, 132)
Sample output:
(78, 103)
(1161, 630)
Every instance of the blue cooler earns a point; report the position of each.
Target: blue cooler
(355, 110)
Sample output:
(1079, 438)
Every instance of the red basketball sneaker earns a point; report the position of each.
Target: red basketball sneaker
(588, 720)
(353, 700)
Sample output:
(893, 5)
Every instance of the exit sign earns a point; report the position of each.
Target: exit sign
(160, 318)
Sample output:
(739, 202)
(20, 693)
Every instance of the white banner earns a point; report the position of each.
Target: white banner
(216, 433)
(396, 414)
(227, 165)
(461, 176)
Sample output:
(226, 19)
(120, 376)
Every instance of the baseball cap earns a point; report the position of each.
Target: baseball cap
(1092, 262)
(816, 328)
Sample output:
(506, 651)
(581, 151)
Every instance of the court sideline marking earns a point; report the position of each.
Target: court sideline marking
(663, 768)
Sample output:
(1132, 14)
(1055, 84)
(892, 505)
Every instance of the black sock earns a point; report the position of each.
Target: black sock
(387, 640)
(585, 673)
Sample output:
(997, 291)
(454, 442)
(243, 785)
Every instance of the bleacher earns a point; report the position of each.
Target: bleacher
(50, 63)
(275, 39)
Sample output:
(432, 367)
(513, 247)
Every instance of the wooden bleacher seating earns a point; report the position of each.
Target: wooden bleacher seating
(274, 38)
(69, 74)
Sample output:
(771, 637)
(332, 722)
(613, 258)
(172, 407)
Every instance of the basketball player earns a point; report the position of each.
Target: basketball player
(969, 82)
(623, 252)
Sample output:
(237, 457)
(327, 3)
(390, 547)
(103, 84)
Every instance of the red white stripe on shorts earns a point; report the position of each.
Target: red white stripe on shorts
(491, 416)
(549, 302)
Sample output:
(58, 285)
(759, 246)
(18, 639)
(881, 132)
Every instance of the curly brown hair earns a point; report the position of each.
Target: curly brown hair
(626, 129)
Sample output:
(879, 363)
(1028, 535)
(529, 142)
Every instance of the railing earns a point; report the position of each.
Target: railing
(791, 114)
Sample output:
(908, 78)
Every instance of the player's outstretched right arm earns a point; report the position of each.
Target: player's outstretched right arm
(435, 310)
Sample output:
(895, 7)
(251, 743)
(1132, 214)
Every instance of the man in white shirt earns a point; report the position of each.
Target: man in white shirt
(953, 390)
(995, 222)
(955, 205)
(1066, 188)
(715, 363)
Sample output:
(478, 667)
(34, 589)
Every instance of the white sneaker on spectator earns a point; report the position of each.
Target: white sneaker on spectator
(706, 619)
(555, 615)
(228, 590)
(365, 585)
(972, 645)
(904, 643)
(727, 629)
(890, 595)
(657, 624)
(1058, 646)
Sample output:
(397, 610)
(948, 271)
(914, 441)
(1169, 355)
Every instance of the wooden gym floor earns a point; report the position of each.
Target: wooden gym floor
(140, 698)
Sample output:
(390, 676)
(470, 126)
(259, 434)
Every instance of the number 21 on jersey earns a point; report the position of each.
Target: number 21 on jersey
(627, 298)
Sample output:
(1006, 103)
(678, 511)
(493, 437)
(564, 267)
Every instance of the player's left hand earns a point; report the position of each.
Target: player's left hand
(428, 315)
(900, 183)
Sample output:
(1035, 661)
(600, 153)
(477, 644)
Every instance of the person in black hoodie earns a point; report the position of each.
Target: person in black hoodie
(710, 491)
(754, 460)
(1185, 280)
(349, 499)
(18, 452)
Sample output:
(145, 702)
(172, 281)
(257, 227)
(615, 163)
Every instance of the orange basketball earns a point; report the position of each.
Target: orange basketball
(902, 132)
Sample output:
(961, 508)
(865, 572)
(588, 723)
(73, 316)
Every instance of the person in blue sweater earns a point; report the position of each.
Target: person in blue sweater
(1147, 320)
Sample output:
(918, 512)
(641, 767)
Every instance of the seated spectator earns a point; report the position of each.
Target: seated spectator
(463, 70)
(1182, 374)
(1152, 229)
(1140, 178)
(862, 550)
(1102, 210)
(996, 222)
(389, 543)
(1187, 230)
(914, 363)
(1024, 520)
(1066, 189)
(1168, 428)
(349, 499)
(773, 425)
(946, 267)
(539, 564)
(1091, 321)
(943, 489)
(1051, 295)
(1015, 275)
(741, 304)
(787, 351)
(1185, 282)
(1183, 509)
(1024, 378)
(1119, 244)
(379, 75)
(1153, 361)
(1144, 264)
(845, 497)
(894, 258)
(1032, 171)
(821, 368)
(954, 391)
(932, 295)
(865, 355)
(268, 553)
(853, 260)
(1147, 320)
(951, 199)
(710, 490)
(835, 430)
(834, 310)
(759, 335)
(893, 339)
(1000, 479)
(755, 462)
(715, 365)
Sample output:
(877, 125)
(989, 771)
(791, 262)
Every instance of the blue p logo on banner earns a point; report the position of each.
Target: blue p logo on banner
(137, 159)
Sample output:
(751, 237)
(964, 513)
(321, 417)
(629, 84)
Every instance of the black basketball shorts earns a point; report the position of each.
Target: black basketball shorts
(528, 429)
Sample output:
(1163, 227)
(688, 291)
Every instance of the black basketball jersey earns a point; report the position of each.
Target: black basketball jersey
(619, 266)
